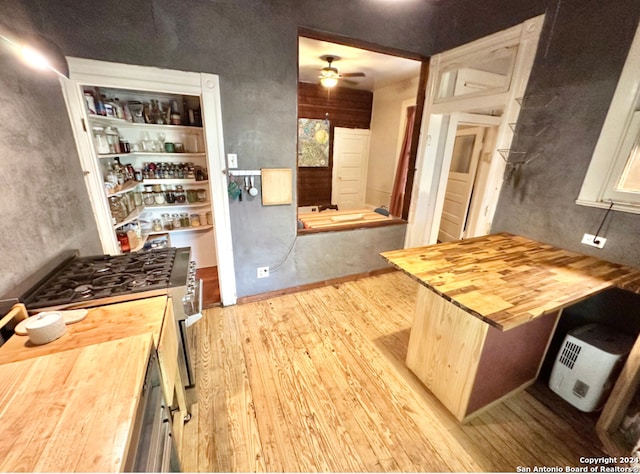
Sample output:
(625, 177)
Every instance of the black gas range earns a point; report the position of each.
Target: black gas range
(81, 282)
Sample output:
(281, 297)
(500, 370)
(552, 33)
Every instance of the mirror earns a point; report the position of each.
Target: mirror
(351, 135)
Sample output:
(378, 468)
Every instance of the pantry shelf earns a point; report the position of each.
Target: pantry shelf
(199, 228)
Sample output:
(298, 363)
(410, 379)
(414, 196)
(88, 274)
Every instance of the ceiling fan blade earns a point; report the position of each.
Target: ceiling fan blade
(347, 81)
(354, 74)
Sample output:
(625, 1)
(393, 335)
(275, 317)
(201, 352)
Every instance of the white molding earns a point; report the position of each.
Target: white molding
(125, 76)
(606, 155)
(432, 161)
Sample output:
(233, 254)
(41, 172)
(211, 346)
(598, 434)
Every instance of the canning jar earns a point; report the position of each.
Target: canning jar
(180, 195)
(184, 219)
(192, 195)
(156, 225)
(159, 197)
(176, 221)
(137, 198)
(209, 218)
(195, 220)
(113, 139)
(202, 194)
(148, 198)
(118, 211)
(100, 140)
(167, 222)
(170, 196)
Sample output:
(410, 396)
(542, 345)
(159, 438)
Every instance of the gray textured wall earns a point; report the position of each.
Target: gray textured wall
(251, 45)
(580, 59)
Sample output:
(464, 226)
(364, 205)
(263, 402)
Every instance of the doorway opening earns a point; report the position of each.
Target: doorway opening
(356, 127)
(480, 84)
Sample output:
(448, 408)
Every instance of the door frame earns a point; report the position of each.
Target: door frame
(126, 76)
(432, 164)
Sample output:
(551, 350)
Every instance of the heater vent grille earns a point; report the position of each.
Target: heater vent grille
(569, 354)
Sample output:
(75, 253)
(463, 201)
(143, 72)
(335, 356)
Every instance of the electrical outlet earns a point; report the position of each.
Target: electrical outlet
(593, 241)
(232, 158)
(263, 272)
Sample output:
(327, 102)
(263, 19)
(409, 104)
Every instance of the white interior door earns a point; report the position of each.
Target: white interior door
(350, 158)
(464, 163)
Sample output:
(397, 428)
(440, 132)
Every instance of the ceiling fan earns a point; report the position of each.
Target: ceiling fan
(329, 75)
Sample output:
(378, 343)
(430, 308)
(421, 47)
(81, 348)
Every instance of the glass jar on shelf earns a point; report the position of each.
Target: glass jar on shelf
(170, 196)
(156, 225)
(123, 240)
(181, 197)
(176, 221)
(195, 220)
(158, 197)
(148, 198)
(192, 195)
(202, 194)
(167, 222)
(137, 198)
(209, 218)
(184, 220)
(100, 140)
(113, 139)
(118, 211)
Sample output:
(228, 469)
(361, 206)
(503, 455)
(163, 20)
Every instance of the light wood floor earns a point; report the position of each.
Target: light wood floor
(316, 381)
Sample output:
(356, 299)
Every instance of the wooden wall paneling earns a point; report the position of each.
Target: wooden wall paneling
(348, 108)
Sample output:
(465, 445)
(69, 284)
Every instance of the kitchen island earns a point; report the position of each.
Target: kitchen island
(70, 405)
(487, 308)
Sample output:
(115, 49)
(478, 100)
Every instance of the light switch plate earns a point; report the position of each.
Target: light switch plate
(232, 161)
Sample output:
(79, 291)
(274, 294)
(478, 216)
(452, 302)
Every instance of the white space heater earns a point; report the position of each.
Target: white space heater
(587, 365)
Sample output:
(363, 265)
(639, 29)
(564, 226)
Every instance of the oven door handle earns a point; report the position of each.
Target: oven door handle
(193, 318)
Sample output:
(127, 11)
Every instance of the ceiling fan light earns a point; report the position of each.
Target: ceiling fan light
(329, 81)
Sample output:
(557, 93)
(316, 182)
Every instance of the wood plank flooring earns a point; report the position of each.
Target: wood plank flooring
(316, 381)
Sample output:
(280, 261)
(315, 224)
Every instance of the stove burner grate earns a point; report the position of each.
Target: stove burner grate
(90, 278)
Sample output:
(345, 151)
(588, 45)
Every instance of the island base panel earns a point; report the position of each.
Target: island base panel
(511, 360)
(444, 349)
(468, 364)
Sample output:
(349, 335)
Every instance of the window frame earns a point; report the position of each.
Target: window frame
(618, 135)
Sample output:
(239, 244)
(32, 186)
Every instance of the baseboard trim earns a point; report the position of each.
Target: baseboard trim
(311, 286)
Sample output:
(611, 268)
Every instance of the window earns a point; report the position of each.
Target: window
(614, 172)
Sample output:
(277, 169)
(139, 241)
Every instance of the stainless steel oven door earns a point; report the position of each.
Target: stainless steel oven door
(152, 446)
(187, 307)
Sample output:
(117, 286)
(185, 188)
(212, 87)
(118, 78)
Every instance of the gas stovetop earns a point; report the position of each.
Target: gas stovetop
(88, 281)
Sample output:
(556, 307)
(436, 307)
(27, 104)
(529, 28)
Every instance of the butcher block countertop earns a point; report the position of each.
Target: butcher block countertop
(508, 280)
(72, 411)
(102, 324)
(69, 405)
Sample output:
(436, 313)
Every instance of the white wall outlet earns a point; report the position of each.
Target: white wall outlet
(593, 241)
(232, 161)
(263, 272)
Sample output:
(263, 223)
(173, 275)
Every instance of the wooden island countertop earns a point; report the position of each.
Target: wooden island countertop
(486, 311)
(72, 411)
(508, 280)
